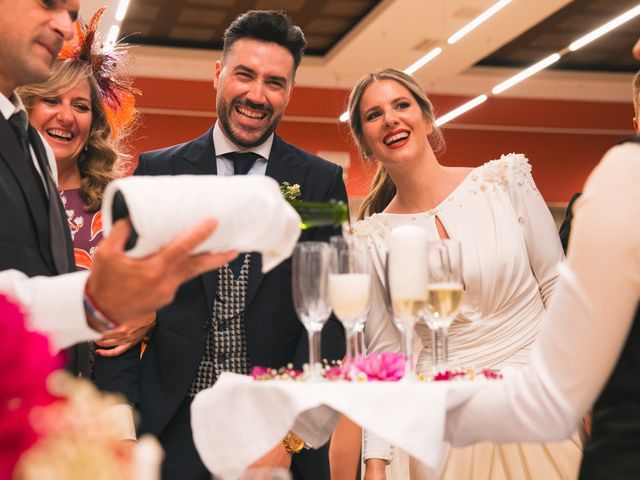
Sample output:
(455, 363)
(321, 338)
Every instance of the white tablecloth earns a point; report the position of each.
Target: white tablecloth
(240, 419)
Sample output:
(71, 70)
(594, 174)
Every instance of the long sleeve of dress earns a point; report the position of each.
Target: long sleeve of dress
(591, 311)
(53, 305)
(538, 228)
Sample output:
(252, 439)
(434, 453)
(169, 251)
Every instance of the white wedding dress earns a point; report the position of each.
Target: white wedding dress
(510, 251)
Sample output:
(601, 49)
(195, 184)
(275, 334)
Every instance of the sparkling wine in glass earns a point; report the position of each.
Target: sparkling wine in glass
(445, 291)
(310, 275)
(407, 284)
(349, 287)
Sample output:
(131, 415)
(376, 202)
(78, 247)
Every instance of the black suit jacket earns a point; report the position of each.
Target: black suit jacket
(565, 228)
(275, 336)
(25, 243)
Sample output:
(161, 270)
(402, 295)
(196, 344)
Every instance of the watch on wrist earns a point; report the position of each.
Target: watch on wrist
(293, 443)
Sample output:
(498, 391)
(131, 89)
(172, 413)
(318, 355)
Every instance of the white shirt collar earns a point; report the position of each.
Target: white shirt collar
(9, 106)
(223, 145)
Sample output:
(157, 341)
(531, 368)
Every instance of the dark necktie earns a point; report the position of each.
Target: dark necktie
(242, 163)
(57, 221)
(18, 122)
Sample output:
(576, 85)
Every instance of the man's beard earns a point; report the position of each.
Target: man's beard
(224, 114)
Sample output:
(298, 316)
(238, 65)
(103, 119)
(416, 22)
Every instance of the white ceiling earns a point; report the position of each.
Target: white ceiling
(398, 32)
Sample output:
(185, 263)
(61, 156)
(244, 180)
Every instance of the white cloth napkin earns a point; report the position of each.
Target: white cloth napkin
(238, 420)
(252, 214)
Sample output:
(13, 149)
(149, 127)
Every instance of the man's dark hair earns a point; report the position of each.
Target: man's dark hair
(268, 26)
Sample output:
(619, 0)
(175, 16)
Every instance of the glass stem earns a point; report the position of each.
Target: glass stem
(444, 344)
(352, 342)
(359, 339)
(434, 350)
(314, 352)
(361, 346)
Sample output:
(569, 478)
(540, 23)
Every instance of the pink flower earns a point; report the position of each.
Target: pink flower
(337, 372)
(492, 374)
(25, 364)
(385, 367)
(258, 372)
(443, 376)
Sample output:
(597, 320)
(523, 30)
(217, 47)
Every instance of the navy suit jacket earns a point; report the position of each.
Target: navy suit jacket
(275, 336)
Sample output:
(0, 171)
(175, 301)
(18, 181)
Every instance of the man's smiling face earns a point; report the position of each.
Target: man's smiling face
(254, 83)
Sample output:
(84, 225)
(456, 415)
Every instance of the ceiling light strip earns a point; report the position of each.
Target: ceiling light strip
(122, 10)
(423, 61)
(112, 36)
(114, 30)
(460, 110)
(532, 70)
(606, 28)
(473, 24)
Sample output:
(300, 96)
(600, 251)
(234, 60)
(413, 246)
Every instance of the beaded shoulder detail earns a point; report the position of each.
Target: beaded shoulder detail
(509, 171)
(376, 224)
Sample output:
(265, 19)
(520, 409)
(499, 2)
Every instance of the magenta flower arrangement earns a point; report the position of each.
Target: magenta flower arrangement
(376, 367)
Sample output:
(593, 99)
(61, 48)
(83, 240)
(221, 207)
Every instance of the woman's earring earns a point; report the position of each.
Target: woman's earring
(367, 154)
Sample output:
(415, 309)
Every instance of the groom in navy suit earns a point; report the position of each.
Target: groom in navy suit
(236, 317)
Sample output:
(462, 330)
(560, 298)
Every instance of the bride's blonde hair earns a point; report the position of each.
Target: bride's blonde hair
(382, 188)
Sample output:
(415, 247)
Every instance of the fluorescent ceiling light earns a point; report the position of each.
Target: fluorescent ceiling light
(606, 28)
(460, 110)
(112, 36)
(423, 61)
(541, 65)
(477, 21)
(122, 10)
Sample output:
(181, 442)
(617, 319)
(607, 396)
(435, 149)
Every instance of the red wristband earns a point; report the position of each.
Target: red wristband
(91, 309)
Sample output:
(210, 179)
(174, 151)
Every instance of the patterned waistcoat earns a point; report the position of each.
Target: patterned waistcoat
(226, 345)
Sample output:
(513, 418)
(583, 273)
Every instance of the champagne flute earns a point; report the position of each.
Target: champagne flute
(407, 284)
(310, 268)
(444, 260)
(349, 287)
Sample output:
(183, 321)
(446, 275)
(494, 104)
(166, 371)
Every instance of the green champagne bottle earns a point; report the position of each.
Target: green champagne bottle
(321, 214)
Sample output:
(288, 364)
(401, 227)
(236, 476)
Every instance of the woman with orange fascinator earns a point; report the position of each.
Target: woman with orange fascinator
(85, 110)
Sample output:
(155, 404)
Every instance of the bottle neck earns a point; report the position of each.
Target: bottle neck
(321, 214)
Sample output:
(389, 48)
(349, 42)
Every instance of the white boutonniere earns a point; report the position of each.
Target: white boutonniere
(290, 192)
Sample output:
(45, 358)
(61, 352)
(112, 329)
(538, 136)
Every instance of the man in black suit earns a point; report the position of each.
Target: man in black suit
(237, 317)
(34, 238)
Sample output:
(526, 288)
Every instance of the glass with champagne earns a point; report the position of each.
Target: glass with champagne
(444, 262)
(349, 286)
(407, 284)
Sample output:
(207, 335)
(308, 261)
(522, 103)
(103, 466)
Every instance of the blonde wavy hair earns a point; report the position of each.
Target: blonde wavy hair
(103, 158)
(382, 188)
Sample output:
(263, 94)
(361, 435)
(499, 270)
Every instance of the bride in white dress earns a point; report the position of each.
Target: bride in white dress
(510, 250)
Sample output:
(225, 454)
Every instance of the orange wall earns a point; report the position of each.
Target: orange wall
(561, 160)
